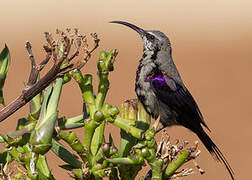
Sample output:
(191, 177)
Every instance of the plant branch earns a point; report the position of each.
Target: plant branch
(55, 71)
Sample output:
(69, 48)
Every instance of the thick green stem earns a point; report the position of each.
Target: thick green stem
(94, 127)
(85, 84)
(131, 160)
(155, 164)
(102, 89)
(175, 164)
(156, 167)
(90, 127)
(98, 138)
(74, 143)
(43, 168)
(128, 166)
(135, 132)
(71, 123)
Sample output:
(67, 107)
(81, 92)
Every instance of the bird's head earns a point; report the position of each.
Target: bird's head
(152, 40)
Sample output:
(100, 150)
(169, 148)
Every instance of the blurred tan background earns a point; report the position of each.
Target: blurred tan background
(211, 43)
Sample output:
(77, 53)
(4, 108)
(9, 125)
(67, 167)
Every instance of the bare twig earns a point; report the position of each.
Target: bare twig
(48, 51)
(81, 64)
(34, 72)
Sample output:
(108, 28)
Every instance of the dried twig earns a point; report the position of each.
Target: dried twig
(33, 74)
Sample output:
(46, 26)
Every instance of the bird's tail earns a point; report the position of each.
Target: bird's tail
(215, 151)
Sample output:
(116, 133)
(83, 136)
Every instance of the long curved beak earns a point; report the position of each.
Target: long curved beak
(137, 29)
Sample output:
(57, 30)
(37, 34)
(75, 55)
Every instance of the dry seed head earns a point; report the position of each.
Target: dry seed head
(168, 151)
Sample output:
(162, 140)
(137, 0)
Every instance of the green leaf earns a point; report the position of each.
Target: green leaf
(4, 65)
(85, 113)
(4, 156)
(41, 136)
(1, 139)
(4, 60)
(98, 138)
(111, 141)
(14, 153)
(66, 155)
(35, 105)
(43, 168)
(67, 167)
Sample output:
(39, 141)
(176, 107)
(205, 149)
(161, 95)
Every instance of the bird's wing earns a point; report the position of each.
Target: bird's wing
(179, 99)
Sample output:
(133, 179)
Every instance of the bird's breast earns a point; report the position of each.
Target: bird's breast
(143, 88)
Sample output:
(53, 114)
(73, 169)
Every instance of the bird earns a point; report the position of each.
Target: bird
(159, 87)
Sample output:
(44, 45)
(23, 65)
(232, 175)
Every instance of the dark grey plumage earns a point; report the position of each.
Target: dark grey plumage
(161, 90)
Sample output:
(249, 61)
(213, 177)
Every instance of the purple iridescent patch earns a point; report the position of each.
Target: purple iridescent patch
(155, 73)
(160, 80)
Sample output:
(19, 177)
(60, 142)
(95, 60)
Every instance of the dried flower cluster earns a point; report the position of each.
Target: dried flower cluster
(169, 152)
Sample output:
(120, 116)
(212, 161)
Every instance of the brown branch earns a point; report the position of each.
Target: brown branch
(52, 44)
(48, 51)
(77, 51)
(74, 55)
(34, 68)
(34, 88)
(34, 72)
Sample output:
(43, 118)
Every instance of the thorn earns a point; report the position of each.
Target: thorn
(155, 125)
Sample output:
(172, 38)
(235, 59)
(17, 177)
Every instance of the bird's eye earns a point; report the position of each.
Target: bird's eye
(152, 37)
